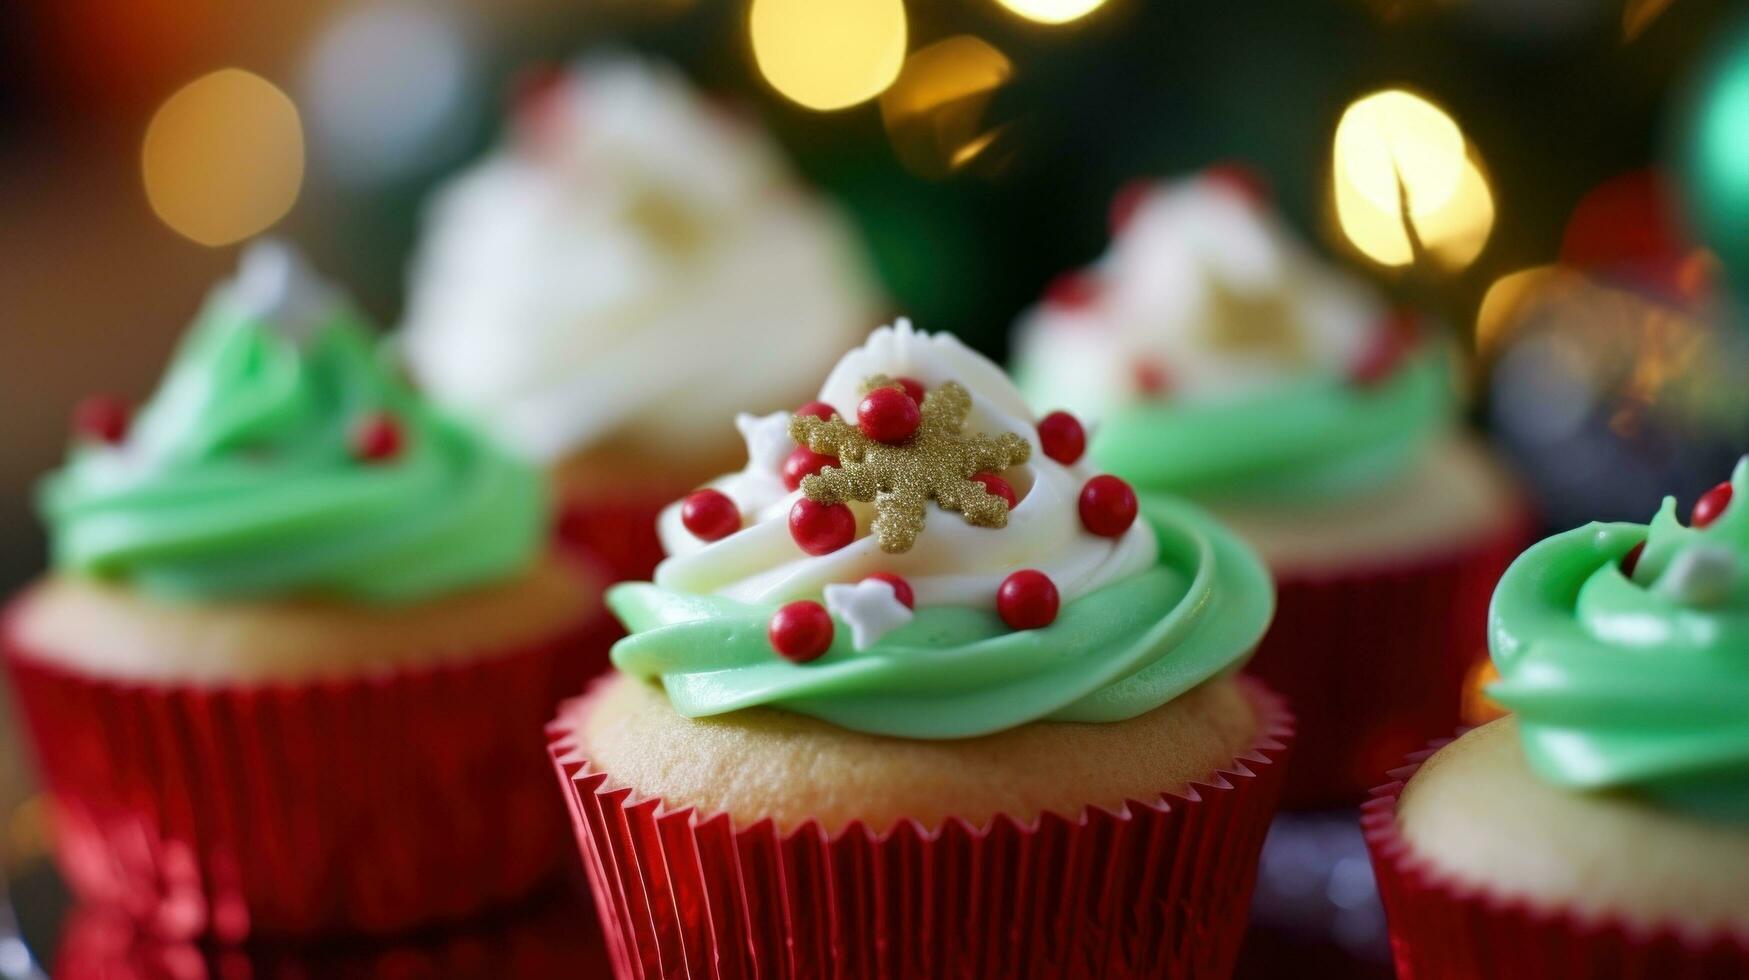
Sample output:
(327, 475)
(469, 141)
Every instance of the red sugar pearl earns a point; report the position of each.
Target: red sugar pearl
(888, 415)
(1072, 291)
(1385, 351)
(912, 387)
(820, 529)
(800, 631)
(1062, 437)
(1631, 560)
(1027, 600)
(995, 486)
(1710, 505)
(901, 589)
(804, 462)
(101, 418)
(1125, 203)
(1152, 379)
(377, 438)
(1108, 506)
(1242, 178)
(819, 410)
(710, 515)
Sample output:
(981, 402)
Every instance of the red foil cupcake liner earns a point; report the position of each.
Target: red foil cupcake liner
(1375, 660)
(367, 804)
(617, 532)
(1443, 929)
(1156, 888)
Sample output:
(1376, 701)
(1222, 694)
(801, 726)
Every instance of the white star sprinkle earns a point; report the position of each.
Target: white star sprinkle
(871, 608)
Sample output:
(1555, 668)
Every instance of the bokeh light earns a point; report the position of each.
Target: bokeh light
(223, 158)
(935, 113)
(1052, 11)
(828, 54)
(1408, 185)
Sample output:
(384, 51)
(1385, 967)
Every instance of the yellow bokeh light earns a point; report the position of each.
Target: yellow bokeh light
(935, 111)
(1402, 167)
(828, 54)
(223, 158)
(1052, 11)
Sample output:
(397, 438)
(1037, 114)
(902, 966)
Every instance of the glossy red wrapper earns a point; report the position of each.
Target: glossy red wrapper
(1155, 889)
(1442, 929)
(1374, 660)
(369, 804)
(618, 532)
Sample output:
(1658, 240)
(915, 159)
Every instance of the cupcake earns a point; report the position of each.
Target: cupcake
(288, 671)
(1208, 354)
(587, 294)
(950, 704)
(1601, 829)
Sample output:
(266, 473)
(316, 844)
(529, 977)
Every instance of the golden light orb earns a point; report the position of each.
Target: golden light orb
(223, 158)
(828, 54)
(1052, 11)
(1408, 185)
(935, 111)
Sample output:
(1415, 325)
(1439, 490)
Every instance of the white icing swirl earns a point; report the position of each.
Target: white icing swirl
(952, 563)
(635, 262)
(1206, 284)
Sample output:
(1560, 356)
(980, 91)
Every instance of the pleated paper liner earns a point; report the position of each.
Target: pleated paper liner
(1157, 888)
(1443, 929)
(367, 804)
(551, 935)
(1374, 660)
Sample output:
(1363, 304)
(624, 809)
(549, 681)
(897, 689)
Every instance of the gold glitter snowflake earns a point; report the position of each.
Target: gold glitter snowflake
(935, 464)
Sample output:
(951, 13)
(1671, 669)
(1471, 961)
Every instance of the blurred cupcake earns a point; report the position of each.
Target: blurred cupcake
(928, 702)
(299, 631)
(1602, 830)
(1207, 354)
(589, 291)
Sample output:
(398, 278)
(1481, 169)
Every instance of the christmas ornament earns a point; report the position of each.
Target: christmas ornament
(800, 631)
(888, 415)
(1108, 506)
(994, 484)
(1713, 154)
(1710, 505)
(937, 464)
(102, 419)
(821, 528)
(804, 462)
(710, 515)
(1027, 600)
(376, 438)
(1062, 438)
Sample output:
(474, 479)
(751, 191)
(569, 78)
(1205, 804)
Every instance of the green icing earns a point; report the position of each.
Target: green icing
(1317, 437)
(1636, 683)
(237, 479)
(956, 671)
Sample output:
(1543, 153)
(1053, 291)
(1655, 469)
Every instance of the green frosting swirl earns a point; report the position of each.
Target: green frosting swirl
(1317, 437)
(1638, 683)
(238, 478)
(958, 672)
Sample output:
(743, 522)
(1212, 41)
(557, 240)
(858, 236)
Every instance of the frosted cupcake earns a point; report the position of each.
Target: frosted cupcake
(1601, 830)
(1208, 354)
(941, 668)
(589, 291)
(299, 629)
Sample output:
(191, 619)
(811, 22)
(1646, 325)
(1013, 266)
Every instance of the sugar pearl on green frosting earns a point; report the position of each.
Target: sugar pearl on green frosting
(240, 478)
(1634, 683)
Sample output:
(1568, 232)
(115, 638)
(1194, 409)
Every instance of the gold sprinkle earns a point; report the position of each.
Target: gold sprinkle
(935, 464)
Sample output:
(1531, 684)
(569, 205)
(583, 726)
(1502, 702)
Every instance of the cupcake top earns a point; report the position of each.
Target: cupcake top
(1623, 649)
(940, 566)
(281, 455)
(1219, 357)
(601, 277)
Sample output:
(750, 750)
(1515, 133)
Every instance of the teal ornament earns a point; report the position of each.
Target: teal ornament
(1712, 155)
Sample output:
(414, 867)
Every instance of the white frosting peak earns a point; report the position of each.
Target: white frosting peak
(637, 264)
(1207, 286)
(952, 562)
(275, 284)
